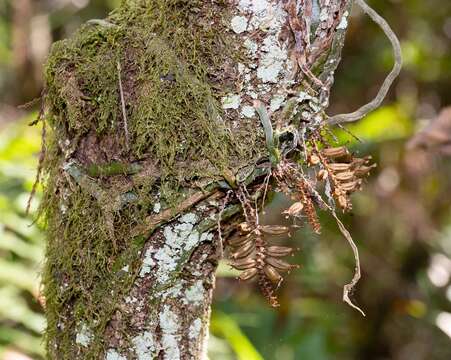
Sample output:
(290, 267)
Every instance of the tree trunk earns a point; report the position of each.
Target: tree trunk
(151, 120)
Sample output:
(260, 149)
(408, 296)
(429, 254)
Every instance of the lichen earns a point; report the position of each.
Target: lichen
(84, 336)
(169, 324)
(195, 293)
(144, 346)
(114, 355)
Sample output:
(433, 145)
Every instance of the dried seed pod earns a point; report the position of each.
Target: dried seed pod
(274, 229)
(245, 227)
(336, 167)
(279, 251)
(335, 152)
(272, 274)
(239, 240)
(357, 162)
(322, 175)
(279, 264)
(343, 202)
(244, 264)
(351, 186)
(345, 176)
(294, 209)
(248, 274)
(267, 290)
(243, 251)
(364, 170)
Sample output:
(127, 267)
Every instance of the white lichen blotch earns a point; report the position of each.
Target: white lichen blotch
(169, 325)
(231, 101)
(239, 24)
(148, 262)
(179, 239)
(344, 21)
(195, 293)
(195, 328)
(112, 354)
(84, 336)
(248, 111)
(144, 346)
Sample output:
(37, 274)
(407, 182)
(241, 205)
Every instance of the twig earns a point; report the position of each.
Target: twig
(377, 101)
(124, 111)
(220, 253)
(40, 162)
(101, 22)
(151, 222)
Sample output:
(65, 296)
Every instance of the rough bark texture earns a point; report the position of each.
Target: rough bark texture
(152, 115)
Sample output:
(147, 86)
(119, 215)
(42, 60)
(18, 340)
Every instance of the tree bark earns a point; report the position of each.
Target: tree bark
(130, 271)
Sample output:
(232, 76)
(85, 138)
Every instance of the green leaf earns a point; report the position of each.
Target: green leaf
(225, 326)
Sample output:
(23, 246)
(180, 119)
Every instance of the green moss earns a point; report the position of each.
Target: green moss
(174, 119)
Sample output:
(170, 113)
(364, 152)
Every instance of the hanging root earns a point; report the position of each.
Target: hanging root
(377, 101)
(348, 288)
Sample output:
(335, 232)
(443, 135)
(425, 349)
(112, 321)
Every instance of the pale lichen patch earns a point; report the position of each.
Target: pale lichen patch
(112, 354)
(248, 111)
(169, 324)
(276, 102)
(157, 208)
(148, 262)
(252, 47)
(190, 218)
(195, 293)
(195, 328)
(144, 346)
(272, 61)
(239, 24)
(180, 239)
(344, 21)
(84, 336)
(231, 101)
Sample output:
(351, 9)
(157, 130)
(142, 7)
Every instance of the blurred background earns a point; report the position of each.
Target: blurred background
(401, 221)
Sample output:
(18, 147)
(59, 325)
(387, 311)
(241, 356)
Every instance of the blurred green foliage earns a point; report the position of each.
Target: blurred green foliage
(401, 222)
(21, 245)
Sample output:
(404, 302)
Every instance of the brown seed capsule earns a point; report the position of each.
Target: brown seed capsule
(351, 186)
(243, 251)
(339, 166)
(294, 209)
(244, 264)
(322, 175)
(279, 251)
(248, 274)
(345, 176)
(335, 152)
(313, 159)
(343, 202)
(279, 264)
(239, 240)
(364, 170)
(356, 162)
(272, 274)
(274, 229)
(245, 227)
